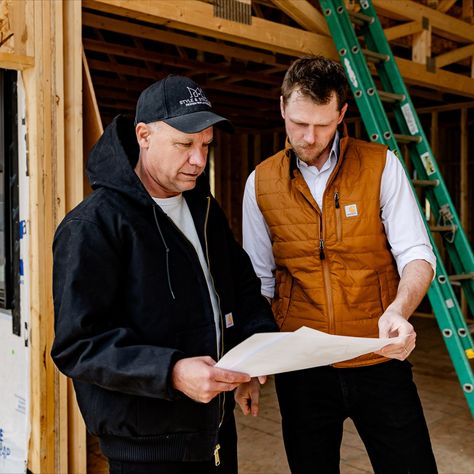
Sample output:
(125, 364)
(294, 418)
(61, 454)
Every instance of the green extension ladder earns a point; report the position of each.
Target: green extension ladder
(355, 57)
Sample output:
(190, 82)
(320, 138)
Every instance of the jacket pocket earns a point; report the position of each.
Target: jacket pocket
(281, 302)
(385, 297)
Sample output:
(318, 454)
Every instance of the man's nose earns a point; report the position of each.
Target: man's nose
(198, 157)
(309, 136)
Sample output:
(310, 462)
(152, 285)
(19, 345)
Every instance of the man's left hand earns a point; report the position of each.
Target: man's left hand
(247, 395)
(393, 324)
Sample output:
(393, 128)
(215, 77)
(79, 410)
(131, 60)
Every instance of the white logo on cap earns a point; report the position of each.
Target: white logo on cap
(197, 98)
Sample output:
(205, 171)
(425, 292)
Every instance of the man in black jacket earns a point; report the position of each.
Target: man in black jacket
(150, 289)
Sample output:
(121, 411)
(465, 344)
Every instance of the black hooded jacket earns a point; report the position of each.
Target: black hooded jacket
(131, 299)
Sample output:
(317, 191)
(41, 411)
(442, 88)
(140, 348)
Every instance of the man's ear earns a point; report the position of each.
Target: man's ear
(342, 113)
(282, 106)
(143, 133)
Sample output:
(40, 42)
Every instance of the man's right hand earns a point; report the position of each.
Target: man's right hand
(197, 378)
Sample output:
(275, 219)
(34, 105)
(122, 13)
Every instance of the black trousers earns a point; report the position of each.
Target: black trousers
(383, 402)
(227, 455)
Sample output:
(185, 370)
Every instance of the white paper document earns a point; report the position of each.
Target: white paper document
(273, 353)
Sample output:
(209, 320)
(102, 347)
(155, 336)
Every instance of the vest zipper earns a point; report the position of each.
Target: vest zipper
(338, 216)
(221, 396)
(326, 277)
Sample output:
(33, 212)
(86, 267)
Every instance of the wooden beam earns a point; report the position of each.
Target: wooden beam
(41, 114)
(445, 108)
(15, 61)
(137, 71)
(405, 29)
(421, 46)
(271, 35)
(17, 12)
(454, 56)
(445, 5)
(197, 17)
(74, 453)
(132, 29)
(445, 81)
(468, 10)
(96, 64)
(304, 14)
(443, 25)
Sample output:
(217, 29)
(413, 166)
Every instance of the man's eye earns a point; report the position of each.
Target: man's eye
(185, 145)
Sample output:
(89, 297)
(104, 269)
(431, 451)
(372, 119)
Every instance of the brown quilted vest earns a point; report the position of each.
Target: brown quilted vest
(334, 270)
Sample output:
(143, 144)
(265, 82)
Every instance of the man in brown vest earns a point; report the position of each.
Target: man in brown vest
(335, 235)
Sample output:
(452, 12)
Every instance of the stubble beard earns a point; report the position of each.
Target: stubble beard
(309, 155)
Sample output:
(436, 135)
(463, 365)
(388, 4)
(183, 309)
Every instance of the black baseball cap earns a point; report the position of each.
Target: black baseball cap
(179, 102)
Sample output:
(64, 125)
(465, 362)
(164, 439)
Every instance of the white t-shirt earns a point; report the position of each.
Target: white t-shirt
(176, 208)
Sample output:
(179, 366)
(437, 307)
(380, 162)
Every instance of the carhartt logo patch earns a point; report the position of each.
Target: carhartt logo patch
(197, 97)
(229, 320)
(351, 210)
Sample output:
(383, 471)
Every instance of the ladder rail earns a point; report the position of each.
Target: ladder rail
(409, 123)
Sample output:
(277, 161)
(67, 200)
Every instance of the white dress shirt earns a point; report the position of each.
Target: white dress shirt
(403, 223)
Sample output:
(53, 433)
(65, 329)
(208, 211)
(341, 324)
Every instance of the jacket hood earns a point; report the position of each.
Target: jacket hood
(113, 158)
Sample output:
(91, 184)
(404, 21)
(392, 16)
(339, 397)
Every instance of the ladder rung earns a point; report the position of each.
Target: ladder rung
(443, 228)
(425, 183)
(360, 18)
(407, 138)
(375, 57)
(390, 96)
(463, 276)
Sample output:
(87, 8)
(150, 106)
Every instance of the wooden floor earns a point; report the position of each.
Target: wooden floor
(449, 419)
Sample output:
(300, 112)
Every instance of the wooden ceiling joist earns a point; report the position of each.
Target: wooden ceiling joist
(445, 5)
(176, 61)
(137, 71)
(454, 56)
(443, 80)
(305, 15)
(197, 17)
(405, 29)
(179, 40)
(442, 24)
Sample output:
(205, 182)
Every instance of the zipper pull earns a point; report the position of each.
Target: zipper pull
(336, 199)
(321, 249)
(217, 459)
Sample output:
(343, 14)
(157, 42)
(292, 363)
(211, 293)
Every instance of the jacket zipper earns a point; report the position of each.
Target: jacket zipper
(221, 323)
(338, 216)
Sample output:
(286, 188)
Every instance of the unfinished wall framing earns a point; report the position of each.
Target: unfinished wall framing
(82, 62)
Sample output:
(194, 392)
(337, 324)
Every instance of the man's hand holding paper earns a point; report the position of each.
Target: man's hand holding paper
(273, 353)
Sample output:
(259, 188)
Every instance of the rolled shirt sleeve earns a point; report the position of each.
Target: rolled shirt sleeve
(403, 222)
